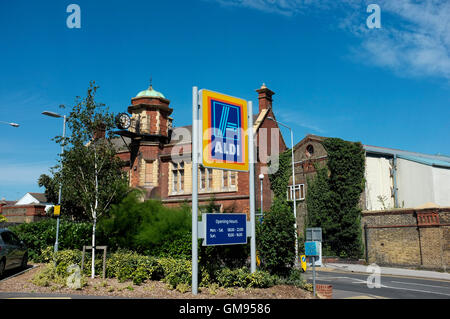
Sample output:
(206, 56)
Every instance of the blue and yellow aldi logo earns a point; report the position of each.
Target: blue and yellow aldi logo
(224, 136)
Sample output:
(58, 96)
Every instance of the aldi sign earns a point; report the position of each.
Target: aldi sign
(223, 136)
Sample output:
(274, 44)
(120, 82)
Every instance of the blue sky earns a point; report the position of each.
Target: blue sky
(332, 75)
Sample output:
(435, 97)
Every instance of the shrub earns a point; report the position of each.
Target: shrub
(294, 278)
(179, 247)
(146, 227)
(176, 271)
(45, 277)
(276, 238)
(65, 258)
(127, 265)
(241, 277)
(39, 235)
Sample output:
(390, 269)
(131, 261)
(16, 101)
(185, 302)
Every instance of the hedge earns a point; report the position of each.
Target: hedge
(39, 235)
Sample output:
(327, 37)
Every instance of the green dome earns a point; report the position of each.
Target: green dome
(150, 93)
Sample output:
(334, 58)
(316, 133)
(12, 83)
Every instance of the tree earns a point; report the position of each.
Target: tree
(70, 208)
(276, 238)
(89, 170)
(276, 234)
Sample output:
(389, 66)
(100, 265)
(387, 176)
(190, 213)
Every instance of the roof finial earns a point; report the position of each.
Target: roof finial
(151, 87)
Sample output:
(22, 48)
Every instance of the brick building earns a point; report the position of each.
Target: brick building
(30, 208)
(157, 156)
(405, 203)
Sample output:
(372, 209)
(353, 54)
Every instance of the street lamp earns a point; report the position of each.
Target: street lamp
(8, 123)
(52, 114)
(261, 178)
(293, 186)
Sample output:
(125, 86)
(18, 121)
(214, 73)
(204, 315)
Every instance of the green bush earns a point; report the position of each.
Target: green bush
(241, 277)
(128, 265)
(294, 278)
(176, 271)
(179, 247)
(39, 235)
(276, 238)
(146, 227)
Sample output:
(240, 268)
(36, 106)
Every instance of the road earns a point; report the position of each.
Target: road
(354, 285)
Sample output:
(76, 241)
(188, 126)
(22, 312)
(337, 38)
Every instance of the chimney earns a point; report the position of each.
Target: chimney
(265, 97)
(100, 132)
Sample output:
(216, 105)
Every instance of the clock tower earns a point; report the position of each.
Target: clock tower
(150, 115)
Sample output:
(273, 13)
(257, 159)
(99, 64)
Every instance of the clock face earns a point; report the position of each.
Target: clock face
(123, 121)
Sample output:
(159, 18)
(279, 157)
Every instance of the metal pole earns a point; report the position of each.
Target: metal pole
(314, 275)
(261, 213)
(60, 187)
(295, 202)
(251, 187)
(195, 146)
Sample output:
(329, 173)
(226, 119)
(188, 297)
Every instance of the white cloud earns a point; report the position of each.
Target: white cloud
(301, 120)
(414, 39)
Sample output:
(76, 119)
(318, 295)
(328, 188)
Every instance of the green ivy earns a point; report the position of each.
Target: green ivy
(333, 198)
(280, 175)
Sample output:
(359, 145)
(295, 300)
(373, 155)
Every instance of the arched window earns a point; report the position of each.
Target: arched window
(309, 150)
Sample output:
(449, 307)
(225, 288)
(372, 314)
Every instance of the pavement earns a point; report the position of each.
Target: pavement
(387, 271)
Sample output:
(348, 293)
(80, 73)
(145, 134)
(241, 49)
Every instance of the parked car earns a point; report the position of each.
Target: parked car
(13, 252)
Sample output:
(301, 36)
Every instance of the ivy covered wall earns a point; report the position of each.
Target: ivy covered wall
(333, 198)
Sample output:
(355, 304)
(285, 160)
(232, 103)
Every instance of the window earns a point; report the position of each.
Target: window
(178, 177)
(225, 179)
(148, 173)
(299, 192)
(232, 179)
(210, 178)
(9, 238)
(229, 179)
(206, 178)
(309, 150)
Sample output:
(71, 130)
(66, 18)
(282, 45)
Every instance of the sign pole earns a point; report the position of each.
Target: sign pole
(314, 275)
(251, 166)
(195, 124)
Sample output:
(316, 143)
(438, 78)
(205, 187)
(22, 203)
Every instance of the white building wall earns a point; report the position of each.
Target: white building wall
(378, 183)
(26, 200)
(441, 185)
(415, 183)
(29, 199)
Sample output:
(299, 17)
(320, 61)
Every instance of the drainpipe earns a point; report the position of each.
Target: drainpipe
(366, 242)
(394, 176)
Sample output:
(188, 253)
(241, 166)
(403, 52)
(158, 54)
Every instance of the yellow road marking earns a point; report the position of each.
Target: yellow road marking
(40, 298)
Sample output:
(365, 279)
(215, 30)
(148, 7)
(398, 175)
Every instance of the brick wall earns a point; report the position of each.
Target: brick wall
(324, 291)
(408, 237)
(24, 213)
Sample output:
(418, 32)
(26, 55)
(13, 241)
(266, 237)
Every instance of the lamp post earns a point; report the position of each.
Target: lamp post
(261, 178)
(8, 123)
(293, 186)
(52, 114)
